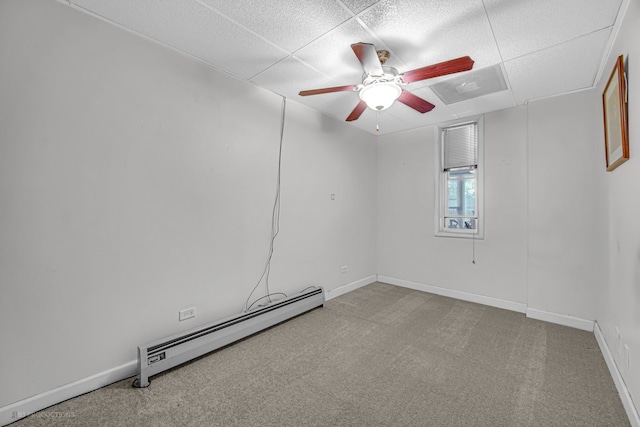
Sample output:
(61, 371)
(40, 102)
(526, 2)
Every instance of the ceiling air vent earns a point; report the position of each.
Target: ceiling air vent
(471, 84)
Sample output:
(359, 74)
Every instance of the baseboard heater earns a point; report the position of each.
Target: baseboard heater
(160, 355)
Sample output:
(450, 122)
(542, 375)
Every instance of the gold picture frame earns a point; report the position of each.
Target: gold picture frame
(616, 130)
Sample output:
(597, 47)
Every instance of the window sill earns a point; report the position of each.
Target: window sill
(460, 235)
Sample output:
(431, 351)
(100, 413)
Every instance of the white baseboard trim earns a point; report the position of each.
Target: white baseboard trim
(627, 402)
(465, 296)
(341, 290)
(560, 319)
(22, 408)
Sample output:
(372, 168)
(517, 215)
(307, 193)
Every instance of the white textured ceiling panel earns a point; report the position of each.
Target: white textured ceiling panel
(287, 23)
(441, 112)
(563, 68)
(357, 6)
(290, 74)
(544, 47)
(421, 32)
(484, 104)
(333, 56)
(388, 121)
(192, 28)
(523, 27)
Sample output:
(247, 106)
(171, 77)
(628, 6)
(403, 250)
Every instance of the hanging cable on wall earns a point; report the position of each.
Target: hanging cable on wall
(473, 246)
(275, 224)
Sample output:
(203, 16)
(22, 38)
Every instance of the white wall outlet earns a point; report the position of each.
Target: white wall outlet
(187, 313)
(344, 268)
(333, 196)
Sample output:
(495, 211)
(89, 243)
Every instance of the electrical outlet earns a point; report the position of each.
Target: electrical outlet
(187, 313)
(333, 196)
(344, 268)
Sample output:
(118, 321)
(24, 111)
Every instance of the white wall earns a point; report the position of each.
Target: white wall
(619, 296)
(544, 242)
(567, 249)
(544, 246)
(135, 182)
(324, 158)
(407, 247)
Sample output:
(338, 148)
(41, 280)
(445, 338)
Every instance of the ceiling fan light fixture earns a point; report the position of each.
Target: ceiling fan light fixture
(380, 96)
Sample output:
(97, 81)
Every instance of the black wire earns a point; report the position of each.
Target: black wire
(275, 220)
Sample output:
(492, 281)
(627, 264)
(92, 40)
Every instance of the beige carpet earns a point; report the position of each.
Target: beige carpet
(379, 356)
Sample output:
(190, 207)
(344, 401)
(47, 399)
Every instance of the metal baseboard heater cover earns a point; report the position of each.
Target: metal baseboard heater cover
(158, 356)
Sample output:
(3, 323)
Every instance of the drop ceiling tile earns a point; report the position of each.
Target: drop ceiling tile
(192, 28)
(400, 117)
(332, 53)
(522, 27)
(421, 33)
(290, 24)
(290, 76)
(440, 112)
(342, 106)
(387, 123)
(563, 68)
(357, 6)
(483, 104)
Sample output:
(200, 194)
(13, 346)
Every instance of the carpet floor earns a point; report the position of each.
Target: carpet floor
(379, 356)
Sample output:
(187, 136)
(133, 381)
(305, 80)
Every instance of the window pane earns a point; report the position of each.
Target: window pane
(468, 223)
(462, 174)
(459, 177)
(462, 194)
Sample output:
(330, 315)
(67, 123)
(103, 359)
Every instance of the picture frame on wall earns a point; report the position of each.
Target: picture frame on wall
(616, 129)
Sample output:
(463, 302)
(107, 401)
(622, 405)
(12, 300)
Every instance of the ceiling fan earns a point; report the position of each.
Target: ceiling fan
(382, 85)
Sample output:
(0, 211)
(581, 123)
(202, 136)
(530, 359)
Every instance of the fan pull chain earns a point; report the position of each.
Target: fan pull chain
(377, 120)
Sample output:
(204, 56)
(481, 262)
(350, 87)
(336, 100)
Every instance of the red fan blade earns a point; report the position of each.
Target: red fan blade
(357, 112)
(368, 57)
(441, 69)
(415, 102)
(328, 90)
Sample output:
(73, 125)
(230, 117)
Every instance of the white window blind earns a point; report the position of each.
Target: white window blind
(460, 147)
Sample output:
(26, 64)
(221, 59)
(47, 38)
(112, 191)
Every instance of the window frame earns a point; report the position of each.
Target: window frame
(441, 183)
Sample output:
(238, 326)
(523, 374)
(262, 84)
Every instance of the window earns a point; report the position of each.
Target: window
(459, 180)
